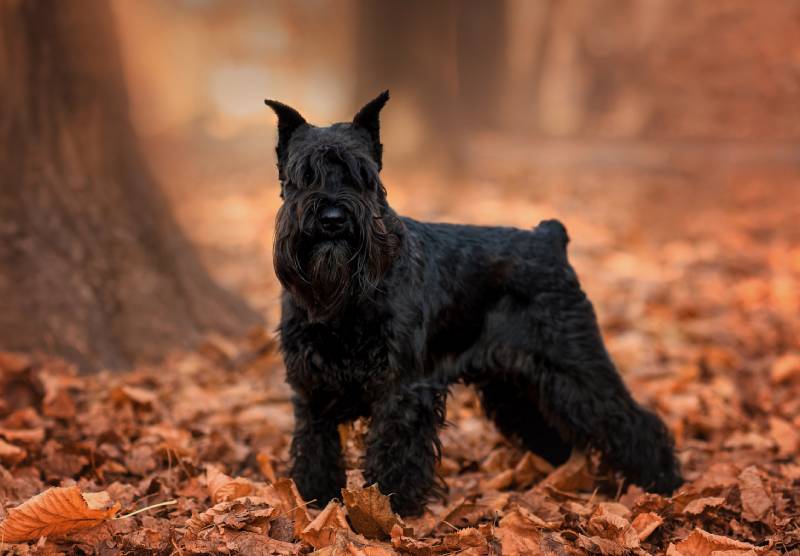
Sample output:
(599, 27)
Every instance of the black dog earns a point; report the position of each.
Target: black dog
(382, 313)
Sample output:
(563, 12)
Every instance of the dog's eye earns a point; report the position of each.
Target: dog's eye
(308, 177)
(366, 181)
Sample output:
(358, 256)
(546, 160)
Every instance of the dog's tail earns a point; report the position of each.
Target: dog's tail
(554, 230)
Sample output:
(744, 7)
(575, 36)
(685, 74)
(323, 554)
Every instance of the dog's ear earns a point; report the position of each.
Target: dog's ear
(368, 119)
(289, 120)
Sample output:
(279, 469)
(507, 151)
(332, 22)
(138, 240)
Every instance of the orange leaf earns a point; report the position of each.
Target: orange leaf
(572, 475)
(699, 505)
(292, 504)
(56, 511)
(702, 543)
(322, 531)
(646, 523)
(518, 534)
(224, 488)
(10, 454)
(370, 512)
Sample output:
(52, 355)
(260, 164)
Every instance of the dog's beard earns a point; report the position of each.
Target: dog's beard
(325, 275)
(329, 272)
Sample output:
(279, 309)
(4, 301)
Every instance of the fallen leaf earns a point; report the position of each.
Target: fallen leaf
(408, 544)
(321, 532)
(500, 481)
(573, 475)
(57, 400)
(699, 505)
(14, 362)
(291, 504)
(370, 512)
(645, 523)
(10, 454)
(265, 466)
(464, 513)
(703, 543)
(464, 539)
(530, 468)
(785, 367)
(223, 488)
(518, 535)
(135, 394)
(56, 511)
(756, 502)
(26, 436)
(785, 435)
(599, 545)
(248, 512)
(611, 526)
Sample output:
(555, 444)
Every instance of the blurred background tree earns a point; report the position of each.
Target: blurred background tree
(94, 267)
(550, 107)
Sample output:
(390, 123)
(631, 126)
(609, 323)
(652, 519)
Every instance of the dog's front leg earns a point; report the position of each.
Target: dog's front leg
(402, 446)
(317, 463)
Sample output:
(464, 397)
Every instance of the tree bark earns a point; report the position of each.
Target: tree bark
(92, 265)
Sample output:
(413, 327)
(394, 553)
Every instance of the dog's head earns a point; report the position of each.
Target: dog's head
(335, 234)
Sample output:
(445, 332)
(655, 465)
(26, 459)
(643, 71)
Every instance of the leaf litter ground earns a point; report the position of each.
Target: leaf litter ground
(704, 328)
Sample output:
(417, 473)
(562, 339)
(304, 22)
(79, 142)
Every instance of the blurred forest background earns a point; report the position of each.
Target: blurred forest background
(138, 192)
(502, 112)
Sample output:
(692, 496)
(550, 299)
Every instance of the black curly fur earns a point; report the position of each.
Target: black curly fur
(382, 315)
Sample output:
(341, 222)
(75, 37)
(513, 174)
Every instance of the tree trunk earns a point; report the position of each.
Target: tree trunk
(92, 265)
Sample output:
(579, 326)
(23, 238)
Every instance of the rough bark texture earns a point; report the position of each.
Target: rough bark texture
(92, 265)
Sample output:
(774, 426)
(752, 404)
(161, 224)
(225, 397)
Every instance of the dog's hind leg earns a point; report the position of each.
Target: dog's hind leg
(512, 403)
(581, 393)
(402, 445)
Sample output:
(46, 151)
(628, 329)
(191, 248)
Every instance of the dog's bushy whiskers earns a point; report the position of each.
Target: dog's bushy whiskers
(328, 273)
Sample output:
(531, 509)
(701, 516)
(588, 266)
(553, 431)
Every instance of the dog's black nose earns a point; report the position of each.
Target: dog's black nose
(332, 219)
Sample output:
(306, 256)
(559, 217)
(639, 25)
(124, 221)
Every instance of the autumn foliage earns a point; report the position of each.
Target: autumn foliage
(703, 327)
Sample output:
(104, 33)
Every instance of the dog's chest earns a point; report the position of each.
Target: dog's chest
(349, 364)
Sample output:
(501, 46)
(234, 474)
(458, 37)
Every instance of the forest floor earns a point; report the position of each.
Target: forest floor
(698, 290)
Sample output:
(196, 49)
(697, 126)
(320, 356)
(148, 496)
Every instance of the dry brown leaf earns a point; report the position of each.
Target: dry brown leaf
(518, 535)
(26, 436)
(14, 362)
(408, 544)
(463, 539)
(573, 475)
(530, 468)
(500, 481)
(609, 525)
(785, 435)
(699, 505)
(703, 543)
(56, 511)
(785, 367)
(224, 488)
(321, 532)
(464, 513)
(370, 512)
(756, 501)
(599, 545)
(135, 394)
(265, 466)
(292, 504)
(348, 543)
(250, 512)
(749, 440)
(57, 400)
(10, 454)
(646, 523)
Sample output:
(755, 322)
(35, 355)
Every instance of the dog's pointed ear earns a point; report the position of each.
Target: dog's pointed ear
(289, 120)
(368, 119)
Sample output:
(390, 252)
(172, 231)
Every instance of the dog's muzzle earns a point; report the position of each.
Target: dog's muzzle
(333, 222)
